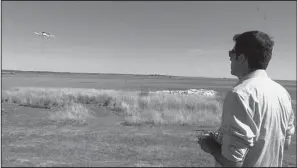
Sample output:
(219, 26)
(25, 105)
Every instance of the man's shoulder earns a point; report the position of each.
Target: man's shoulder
(259, 86)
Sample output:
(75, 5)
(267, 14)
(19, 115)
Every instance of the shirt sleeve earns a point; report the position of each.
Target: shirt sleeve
(239, 127)
(291, 128)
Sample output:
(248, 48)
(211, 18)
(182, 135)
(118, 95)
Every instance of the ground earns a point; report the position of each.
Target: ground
(29, 138)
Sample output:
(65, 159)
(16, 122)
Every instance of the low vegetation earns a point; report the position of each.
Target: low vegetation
(37, 137)
(136, 107)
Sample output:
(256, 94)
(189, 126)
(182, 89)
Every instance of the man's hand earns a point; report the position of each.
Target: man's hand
(287, 142)
(208, 144)
(204, 145)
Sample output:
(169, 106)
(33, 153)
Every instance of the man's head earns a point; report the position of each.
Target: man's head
(252, 51)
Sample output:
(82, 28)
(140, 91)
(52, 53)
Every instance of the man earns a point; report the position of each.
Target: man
(257, 119)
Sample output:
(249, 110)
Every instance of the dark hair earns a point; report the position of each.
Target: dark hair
(256, 46)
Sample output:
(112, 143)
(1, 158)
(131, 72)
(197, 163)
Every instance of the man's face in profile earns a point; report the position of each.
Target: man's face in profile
(236, 62)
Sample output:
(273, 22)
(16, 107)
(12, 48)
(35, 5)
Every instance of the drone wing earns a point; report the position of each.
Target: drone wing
(37, 33)
(44, 34)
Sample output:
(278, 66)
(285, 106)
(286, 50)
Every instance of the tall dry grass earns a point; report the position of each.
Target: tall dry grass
(136, 107)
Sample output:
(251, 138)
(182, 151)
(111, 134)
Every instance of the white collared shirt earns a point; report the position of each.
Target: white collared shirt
(257, 117)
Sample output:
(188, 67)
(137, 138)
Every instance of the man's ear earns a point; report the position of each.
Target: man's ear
(241, 58)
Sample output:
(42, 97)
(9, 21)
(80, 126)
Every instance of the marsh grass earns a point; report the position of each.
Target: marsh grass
(71, 113)
(136, 107)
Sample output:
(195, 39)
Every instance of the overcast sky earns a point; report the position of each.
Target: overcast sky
(172, 38)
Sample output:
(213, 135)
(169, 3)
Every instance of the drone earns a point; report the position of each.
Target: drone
(44, 34)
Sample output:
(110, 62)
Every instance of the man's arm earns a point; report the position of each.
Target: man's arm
(290, 130)
(239, 129)
(216, 152)
(223, 161)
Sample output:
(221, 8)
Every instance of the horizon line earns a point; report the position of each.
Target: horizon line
(131, 74)
(115, 74)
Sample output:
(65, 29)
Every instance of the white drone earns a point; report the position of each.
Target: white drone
(44, 34)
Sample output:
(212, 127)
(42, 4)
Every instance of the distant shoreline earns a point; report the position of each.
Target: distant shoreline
(6, 71)
(87, 73)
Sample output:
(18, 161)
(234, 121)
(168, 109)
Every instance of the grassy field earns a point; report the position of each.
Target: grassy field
(71, 124)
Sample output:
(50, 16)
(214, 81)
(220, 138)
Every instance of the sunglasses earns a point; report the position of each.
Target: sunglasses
(231, 53)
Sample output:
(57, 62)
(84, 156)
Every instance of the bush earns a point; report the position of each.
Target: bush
(137, 107)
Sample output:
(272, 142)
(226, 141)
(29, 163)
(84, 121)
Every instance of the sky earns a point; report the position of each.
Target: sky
(146, 37)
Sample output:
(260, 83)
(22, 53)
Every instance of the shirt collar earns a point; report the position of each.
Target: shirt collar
(260, 73)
